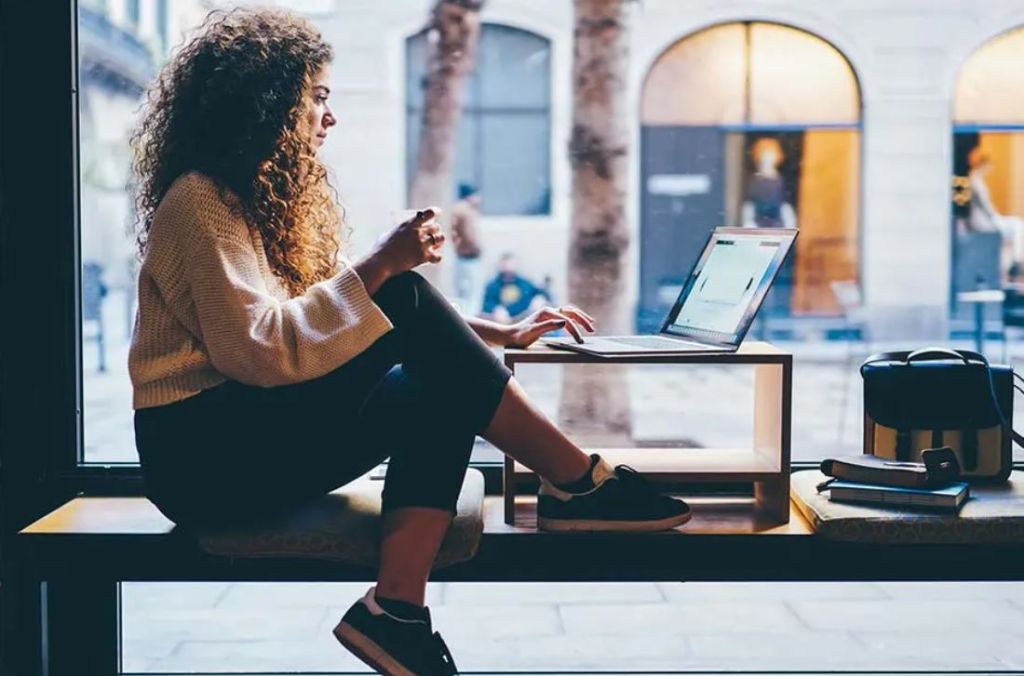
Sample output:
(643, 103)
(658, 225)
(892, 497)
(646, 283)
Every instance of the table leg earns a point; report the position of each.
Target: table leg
(979, 327)
(509, 472)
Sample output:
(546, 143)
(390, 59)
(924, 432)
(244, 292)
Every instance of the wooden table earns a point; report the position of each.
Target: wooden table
(765, 463)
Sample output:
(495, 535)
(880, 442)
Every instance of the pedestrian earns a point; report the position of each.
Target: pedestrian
(465, 229)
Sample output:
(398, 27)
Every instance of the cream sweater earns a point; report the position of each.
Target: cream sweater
(210, 308)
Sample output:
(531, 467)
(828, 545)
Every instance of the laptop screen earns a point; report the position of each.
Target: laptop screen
(728, 284)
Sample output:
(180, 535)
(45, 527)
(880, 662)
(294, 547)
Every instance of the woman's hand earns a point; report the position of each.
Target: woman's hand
(412, 243)
(416, 241)
(526, 332)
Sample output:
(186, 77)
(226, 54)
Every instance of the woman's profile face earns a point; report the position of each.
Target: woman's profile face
(320, 116)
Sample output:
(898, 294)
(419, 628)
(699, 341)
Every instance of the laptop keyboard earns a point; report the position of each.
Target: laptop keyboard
(656, 342)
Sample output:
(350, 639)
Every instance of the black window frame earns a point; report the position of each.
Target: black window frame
(39, 378)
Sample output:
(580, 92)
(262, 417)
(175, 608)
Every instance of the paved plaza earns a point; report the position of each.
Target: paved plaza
(581, 626)
(239, 627)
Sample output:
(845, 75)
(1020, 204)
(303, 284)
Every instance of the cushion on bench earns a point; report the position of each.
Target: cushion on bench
(994, 514)
(344, 526)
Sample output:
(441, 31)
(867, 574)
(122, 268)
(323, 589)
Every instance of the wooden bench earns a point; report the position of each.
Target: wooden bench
(69, 564)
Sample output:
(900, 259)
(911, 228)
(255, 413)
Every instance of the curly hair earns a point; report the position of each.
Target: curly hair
(232, 104)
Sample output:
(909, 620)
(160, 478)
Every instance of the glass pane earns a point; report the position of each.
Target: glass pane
(988, 232)
(712, 62)
(693, 177)
(755, 73)
(987, 203)
(797, 78)
(515, 163)
(812, 627)
(503, 140)
(514, 69)
(416, 68)
(468, 153)
(115, 65)
(990, 89)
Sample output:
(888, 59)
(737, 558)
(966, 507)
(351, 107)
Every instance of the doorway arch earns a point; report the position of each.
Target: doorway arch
(750, 123)
(987, 209)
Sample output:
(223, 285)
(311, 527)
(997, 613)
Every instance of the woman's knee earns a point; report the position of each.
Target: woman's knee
(402, 290)
(404, 281)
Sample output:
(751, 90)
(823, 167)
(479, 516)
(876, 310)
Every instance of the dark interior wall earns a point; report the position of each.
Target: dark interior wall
(38, 391)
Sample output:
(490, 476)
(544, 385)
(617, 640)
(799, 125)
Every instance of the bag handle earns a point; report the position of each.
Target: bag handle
(941, 353)
(926, 354)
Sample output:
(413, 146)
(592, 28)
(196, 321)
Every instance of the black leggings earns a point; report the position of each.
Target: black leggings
(418, 395)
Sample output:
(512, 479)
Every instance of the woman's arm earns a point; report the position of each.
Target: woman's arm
(374, 271)
(492, 333)
(207, 255)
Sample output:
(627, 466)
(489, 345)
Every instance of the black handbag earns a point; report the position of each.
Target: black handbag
(937, 397)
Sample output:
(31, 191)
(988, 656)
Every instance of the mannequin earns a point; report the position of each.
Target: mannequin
(766, 205)
(984, 217)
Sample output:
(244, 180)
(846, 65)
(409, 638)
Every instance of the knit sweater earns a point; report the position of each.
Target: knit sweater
(210, 309)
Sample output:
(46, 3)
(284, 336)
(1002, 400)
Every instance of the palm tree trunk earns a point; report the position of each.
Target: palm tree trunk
(595, 399)
(452, 36)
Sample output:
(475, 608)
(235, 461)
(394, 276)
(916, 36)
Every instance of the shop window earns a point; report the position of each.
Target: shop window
(751, 124)
(988, 170)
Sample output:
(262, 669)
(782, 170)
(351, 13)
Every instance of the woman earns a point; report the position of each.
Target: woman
(268, 370)
(983, 216)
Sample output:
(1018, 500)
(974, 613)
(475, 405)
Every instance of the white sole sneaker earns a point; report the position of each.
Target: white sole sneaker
(368, 651)
(602, 526)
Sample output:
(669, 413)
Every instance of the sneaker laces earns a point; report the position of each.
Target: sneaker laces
(632, 478)
(634, 483)
(446, 655)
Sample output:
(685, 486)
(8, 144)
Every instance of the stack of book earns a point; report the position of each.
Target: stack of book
(933, 484)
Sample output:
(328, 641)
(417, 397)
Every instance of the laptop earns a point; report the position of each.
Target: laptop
(717, 303)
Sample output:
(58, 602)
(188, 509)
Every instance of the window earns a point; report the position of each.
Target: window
(988, 175)
(504, 146)
(115, 66)
(750, 124)
(747, 102)
(506, 152)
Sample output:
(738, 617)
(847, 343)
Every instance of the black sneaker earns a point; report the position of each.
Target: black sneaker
(620, 500)
(392, 645)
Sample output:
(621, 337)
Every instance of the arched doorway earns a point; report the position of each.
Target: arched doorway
(750, 123)
(988, 168)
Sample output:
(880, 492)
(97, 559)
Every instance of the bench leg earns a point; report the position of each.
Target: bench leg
(21, 637)
(81, 627)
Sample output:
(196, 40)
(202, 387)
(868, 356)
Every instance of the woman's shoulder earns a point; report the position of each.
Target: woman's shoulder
(192, 186)
(194, 200)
